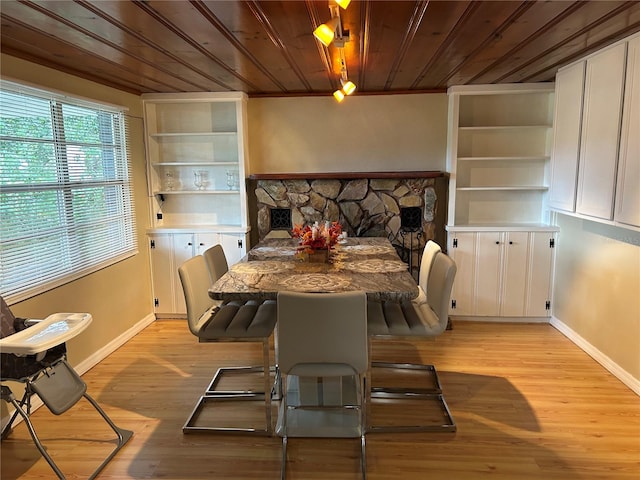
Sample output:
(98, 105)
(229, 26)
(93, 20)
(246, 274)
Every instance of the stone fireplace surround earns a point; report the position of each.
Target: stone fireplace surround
(367, 204)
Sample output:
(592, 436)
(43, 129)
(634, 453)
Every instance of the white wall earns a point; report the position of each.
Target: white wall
(597, 290)
(385, 133)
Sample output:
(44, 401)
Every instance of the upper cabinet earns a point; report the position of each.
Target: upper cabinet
(601, 112)
(596, 151)
(627, 208)
(196, 159)
(566, 144)
(498, 154)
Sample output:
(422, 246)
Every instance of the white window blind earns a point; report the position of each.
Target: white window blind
(66, 205)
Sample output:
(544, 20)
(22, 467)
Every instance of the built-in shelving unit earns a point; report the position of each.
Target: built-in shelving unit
(498, 156)
(196, 158)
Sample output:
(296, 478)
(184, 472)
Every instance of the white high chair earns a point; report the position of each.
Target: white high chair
(33, 352)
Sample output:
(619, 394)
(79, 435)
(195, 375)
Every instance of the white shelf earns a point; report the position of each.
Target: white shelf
(197, 192)
(538, 158)
(503, 227)
(191, 134)
(503, 188)
(193, 164)
(503, 127)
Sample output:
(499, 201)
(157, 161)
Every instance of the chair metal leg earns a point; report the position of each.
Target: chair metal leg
(267, 386)
(7, 395)
(284, 407)
(435, 389)
(363, 457)
(283, 461)
(363, 425)
(123, 435)
(433, 393)
(359, 405)
(211, 395)
(446, 425)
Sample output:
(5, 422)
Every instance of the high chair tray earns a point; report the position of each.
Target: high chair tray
(53, 330)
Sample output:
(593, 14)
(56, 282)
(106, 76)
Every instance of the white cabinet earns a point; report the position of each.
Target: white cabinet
(170, 250)
(498, 152)
(498, 155)
(502, 273)
(627, 209)
(196, 159)
(602, 107)
(596, 152)
(566, 144)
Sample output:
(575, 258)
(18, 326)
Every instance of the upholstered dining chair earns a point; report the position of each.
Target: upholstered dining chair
(323, 337)
(216, 262)
(428, 254)
(423, 317)
(235, 321)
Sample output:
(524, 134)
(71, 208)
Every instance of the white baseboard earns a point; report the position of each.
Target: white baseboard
(90, 362)
(469, 318)
(615, 369)
(113, 345)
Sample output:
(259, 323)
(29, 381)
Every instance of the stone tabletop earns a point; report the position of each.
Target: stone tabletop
(363, 264)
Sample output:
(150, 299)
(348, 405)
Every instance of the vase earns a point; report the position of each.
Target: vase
(318, 256)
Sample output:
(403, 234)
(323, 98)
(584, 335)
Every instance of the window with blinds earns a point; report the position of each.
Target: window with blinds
(66, 205)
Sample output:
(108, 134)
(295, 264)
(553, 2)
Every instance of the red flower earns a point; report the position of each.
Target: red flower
(318, 236)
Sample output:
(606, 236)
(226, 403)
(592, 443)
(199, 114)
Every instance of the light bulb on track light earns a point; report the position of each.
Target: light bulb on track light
(326, 31)
(348, 87)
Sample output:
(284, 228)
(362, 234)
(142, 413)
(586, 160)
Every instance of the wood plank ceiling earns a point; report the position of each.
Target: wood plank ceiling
(266, 48)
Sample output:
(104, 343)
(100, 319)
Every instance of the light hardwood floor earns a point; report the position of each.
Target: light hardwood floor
(527, 402)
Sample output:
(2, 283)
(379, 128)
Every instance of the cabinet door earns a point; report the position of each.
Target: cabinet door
(603, 89)
(566, 143)
(183, 250)
(162, 274)
(628, 193)
(539, 271)
(234, 246)
(488, 272)
(203, 241)
(462, 250)
(515, 246)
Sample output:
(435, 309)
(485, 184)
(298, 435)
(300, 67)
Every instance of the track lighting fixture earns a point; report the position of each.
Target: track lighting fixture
(332, 32)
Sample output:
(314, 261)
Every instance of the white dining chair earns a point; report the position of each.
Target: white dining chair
(323, 336)
(423, 317)
(234, 321)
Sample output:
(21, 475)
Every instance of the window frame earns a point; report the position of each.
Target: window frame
(113, 187)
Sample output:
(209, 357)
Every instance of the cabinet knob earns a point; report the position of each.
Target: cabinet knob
(201, 244)
(497, 242)
(510, 242)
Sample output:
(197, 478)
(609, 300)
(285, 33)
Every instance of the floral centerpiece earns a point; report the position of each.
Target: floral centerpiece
(319, 237)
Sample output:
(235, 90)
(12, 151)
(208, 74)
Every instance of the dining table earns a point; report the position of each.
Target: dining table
(369, 264)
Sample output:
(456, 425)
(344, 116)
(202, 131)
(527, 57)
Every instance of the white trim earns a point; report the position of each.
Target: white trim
(113, 345)
(615, 369)
(89, 363)
(477, 318)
